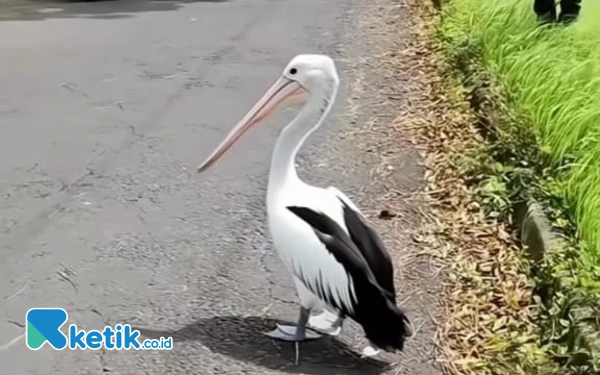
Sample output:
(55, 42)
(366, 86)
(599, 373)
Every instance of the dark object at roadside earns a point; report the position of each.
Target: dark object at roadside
(546, 10)
(387, 214)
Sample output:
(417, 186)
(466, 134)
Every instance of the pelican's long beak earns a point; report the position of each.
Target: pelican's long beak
(284, 92)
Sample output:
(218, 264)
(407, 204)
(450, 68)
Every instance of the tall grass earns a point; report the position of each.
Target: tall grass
(552, 77)
(546, 80)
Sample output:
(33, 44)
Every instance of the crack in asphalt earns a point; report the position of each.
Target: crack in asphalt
(102, 352)
(263, 250)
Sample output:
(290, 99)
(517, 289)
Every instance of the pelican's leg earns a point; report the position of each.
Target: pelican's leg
(288, 332)
(297, 333)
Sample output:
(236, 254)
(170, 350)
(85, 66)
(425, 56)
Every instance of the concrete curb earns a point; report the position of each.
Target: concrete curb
(535, 231)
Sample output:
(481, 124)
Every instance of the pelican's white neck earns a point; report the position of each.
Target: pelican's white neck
(308, 119)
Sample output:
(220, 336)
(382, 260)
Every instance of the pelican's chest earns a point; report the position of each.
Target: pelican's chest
(286, 227)
(282, 222)
(287, 230)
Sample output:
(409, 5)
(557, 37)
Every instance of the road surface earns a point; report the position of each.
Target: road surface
(106, 109)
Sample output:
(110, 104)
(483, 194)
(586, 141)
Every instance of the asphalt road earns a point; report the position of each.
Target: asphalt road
(106, 109)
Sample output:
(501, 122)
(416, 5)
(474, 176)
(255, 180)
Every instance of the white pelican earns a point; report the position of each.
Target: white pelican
(323, 239)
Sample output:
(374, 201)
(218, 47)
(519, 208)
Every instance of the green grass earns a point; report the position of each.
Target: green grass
(548, 80)
(553, 79)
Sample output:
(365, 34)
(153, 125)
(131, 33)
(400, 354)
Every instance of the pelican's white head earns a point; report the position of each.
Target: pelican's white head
(312, 72)
(304, 76)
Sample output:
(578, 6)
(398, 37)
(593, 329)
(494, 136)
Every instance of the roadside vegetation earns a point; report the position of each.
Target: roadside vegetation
(518, 120)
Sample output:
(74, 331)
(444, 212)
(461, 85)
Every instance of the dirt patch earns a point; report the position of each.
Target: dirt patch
(489, 310)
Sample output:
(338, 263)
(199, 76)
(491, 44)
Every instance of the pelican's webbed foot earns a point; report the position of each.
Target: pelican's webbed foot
(295, 333)
(370, 350)
(290, 333)
(326, 323)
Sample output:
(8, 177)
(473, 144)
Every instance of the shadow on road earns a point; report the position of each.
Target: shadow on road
(37, 10)
(241, 338)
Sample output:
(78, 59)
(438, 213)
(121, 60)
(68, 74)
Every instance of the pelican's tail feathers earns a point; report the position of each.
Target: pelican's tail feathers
(387, 327)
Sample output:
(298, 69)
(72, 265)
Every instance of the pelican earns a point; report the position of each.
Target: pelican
(323, 239)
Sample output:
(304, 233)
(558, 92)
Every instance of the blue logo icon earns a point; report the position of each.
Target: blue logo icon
(43, 325)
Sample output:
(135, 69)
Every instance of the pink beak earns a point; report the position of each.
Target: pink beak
(283, 92)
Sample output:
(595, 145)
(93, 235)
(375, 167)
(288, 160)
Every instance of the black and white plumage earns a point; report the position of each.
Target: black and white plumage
(370, 272)
(334, 256)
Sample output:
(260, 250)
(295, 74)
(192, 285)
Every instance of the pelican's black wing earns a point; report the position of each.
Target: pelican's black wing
(343, 249)
(373, 306)
(371, 247)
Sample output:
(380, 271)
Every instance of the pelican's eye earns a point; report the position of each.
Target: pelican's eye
(293, 71)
